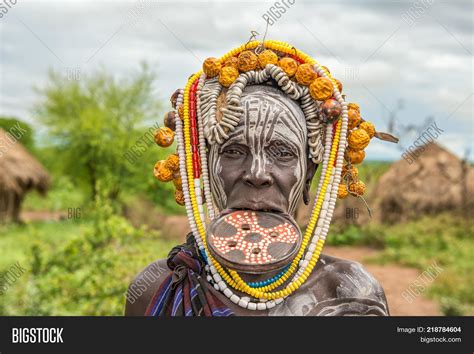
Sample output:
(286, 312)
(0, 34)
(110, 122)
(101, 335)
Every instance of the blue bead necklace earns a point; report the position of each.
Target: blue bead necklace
(259, 284)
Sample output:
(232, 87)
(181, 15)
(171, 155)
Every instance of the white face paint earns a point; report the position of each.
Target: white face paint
(267, 153)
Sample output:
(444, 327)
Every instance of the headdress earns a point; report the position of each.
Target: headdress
(337, 137)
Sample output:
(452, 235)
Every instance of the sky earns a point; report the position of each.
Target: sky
(409, 62)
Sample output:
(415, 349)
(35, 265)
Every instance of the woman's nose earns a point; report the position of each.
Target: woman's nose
(258, 179)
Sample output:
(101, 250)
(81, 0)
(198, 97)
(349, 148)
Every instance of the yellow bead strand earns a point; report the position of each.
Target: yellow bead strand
(234, 279)
(309, 231)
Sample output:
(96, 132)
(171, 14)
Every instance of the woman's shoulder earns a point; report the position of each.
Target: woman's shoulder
(349, 287)
(336, 287)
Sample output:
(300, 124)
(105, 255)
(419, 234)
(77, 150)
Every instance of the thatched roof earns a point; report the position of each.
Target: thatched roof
(432, 183)
(19, 171)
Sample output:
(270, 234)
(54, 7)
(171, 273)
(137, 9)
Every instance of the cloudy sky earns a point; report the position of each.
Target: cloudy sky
(407, 59)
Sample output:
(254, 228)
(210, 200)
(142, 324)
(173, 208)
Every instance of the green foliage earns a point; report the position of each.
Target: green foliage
(89, 273)
(16, 240)
(350, 235)
(15, 125)
(62, 195)
(144, 185)
(451, 307)
(15, 244)
(94, 121)
(354, 235)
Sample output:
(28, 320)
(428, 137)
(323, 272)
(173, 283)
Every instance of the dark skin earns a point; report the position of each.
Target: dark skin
(252, 180)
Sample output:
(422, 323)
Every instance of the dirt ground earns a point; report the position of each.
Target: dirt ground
(39, 215)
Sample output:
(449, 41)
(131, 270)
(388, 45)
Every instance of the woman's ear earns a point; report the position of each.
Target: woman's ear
(310, 172)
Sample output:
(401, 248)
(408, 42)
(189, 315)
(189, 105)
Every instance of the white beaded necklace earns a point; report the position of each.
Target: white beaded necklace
(324, 219)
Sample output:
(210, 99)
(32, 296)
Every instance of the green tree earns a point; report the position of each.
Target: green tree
(20, 129)
(93, 122)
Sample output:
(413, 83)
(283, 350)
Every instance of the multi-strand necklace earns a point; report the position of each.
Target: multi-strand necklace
(194, 174)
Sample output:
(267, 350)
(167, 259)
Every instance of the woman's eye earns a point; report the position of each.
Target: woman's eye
(282, 153)
(287, 154)
(233, 152)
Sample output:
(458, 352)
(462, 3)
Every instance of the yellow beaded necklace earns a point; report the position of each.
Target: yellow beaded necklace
(339, 178)
(231, 277)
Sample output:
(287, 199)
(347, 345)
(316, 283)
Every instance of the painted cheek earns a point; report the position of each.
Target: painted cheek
(232, 172)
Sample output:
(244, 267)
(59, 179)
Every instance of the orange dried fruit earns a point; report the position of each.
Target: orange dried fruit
(232, 61)
(305, 74)
(353, 119)
(368, 127)
(162, 173)
(288, 65)
(228, 75)
(342, 191)
(353, 106)
(267, 57)
(164, 137)
(321, 88)
(354, 157)
(247, 61)
(357, 188)
(211, 67)
(172, 162)
(352, 172)
(358, 139)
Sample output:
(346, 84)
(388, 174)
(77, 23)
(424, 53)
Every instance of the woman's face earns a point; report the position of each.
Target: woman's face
(263, 164)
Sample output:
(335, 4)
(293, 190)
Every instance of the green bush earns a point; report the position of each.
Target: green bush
(63, 194)
(101, 128)
(353, 235)
(350, 235)
(90, 273)
(18, 127)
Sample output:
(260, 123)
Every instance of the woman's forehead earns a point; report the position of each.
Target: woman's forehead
(260, 99)
(271, 133)
(270, 116)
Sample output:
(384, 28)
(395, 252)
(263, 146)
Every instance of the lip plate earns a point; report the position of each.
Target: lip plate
(221, 227)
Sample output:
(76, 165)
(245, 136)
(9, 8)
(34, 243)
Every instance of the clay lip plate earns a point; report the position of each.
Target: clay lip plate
(253, 241)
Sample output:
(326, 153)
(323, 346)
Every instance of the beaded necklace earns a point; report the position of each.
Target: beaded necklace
(191, 134)
(220, 276)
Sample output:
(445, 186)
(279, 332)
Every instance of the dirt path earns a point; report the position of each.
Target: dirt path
(40, 215)
(395, 280)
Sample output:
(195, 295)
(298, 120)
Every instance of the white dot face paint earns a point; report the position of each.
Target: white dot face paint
(262, 166)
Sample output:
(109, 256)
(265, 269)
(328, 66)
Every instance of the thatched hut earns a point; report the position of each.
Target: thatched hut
(436, 181)
(19, 173)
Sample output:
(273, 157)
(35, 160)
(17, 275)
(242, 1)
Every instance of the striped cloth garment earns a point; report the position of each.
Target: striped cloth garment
(184, 292)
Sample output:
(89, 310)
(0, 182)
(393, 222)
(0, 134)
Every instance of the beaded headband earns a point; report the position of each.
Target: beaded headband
(337, 137)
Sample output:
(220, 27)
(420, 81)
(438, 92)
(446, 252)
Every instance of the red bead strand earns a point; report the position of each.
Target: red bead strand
(194, 130)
